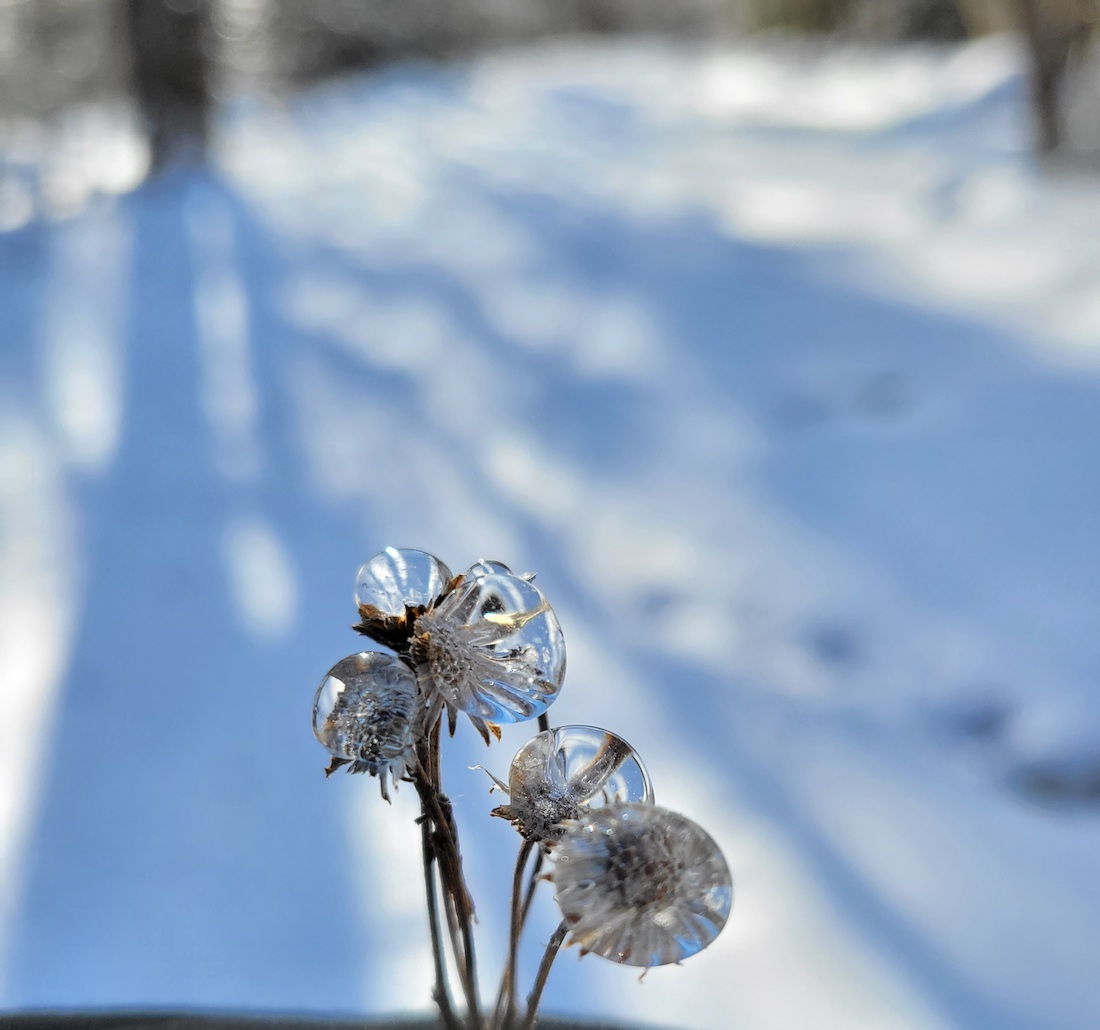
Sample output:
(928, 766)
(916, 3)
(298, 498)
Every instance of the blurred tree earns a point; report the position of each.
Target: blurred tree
(56, 55)
(1058, 34)
(675, 17)
(802, 15)
(170, 71)
(908, 19)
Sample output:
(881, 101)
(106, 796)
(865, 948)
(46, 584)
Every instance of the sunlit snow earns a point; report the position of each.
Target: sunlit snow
(778, 364)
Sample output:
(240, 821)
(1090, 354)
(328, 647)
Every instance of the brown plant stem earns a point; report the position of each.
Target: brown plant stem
(548, 957)
(536, 868)
(506, 997)
(443, 841)
(440, 993)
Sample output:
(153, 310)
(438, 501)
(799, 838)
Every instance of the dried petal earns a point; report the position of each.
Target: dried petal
(491, 648)
(560, 774)
(363, 714)
(641, 885)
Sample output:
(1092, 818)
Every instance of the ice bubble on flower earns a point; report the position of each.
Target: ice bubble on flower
(640, 885)
(487, 567)
(492, 648)
(393, 588)
(363, 714)
(561, 774)
(491, 567)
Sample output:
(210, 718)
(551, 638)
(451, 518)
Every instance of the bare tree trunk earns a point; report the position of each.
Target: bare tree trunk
(170, 71)
(1055, 30)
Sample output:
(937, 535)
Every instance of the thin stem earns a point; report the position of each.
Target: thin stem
(471, 974)
(463, 903)
(458, 905)
(529, 896)
(440, 992)
(455, 937)
(506, 998)
(536, 868)
(548, 957)
(544, 722)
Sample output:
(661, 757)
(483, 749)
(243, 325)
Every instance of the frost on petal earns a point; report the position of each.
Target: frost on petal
(393, 588)
(640, 885)
(363, 715)
(560, 774)
(491, 648)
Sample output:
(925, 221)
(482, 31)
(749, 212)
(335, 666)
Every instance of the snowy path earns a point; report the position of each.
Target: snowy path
(780, 371)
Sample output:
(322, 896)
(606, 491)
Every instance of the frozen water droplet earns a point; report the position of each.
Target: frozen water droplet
(641, 885)
(394, 587)
(363, 713)
(487, 567)
(561, 774)
(492, 648)
(399, 578)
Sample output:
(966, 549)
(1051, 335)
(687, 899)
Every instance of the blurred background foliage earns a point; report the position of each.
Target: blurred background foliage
(156, 68)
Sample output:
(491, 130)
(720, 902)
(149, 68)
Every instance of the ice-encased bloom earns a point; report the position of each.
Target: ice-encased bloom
(363, 714)
(640, 885)
(561, 774)
(491, 647)
(394, 588)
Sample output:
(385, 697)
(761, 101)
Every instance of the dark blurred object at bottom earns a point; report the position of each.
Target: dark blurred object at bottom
(100, 1020)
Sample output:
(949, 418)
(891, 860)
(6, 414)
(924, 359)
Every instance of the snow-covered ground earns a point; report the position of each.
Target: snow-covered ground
(780, 366)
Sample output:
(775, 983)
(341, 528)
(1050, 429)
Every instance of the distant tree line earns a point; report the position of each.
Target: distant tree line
(175, 55)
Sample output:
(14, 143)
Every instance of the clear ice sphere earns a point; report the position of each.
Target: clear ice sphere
(561, 774)
(492, 648)
(640, 885)
(400, 577)
(364, 710)
(487, 567)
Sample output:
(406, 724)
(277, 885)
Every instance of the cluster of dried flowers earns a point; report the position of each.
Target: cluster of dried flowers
(635, 883)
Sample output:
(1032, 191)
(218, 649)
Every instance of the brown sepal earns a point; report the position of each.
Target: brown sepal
(335, 764)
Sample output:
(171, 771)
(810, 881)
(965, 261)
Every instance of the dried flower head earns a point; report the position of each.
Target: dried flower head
(558, 775)
(363, 714)
(492, 648)
(641, 885)
(393, 589)
(636, 884)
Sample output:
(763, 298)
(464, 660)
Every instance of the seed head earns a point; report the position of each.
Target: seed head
(560, 774)
(363, 714)
(641, 885)
(492, 648)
